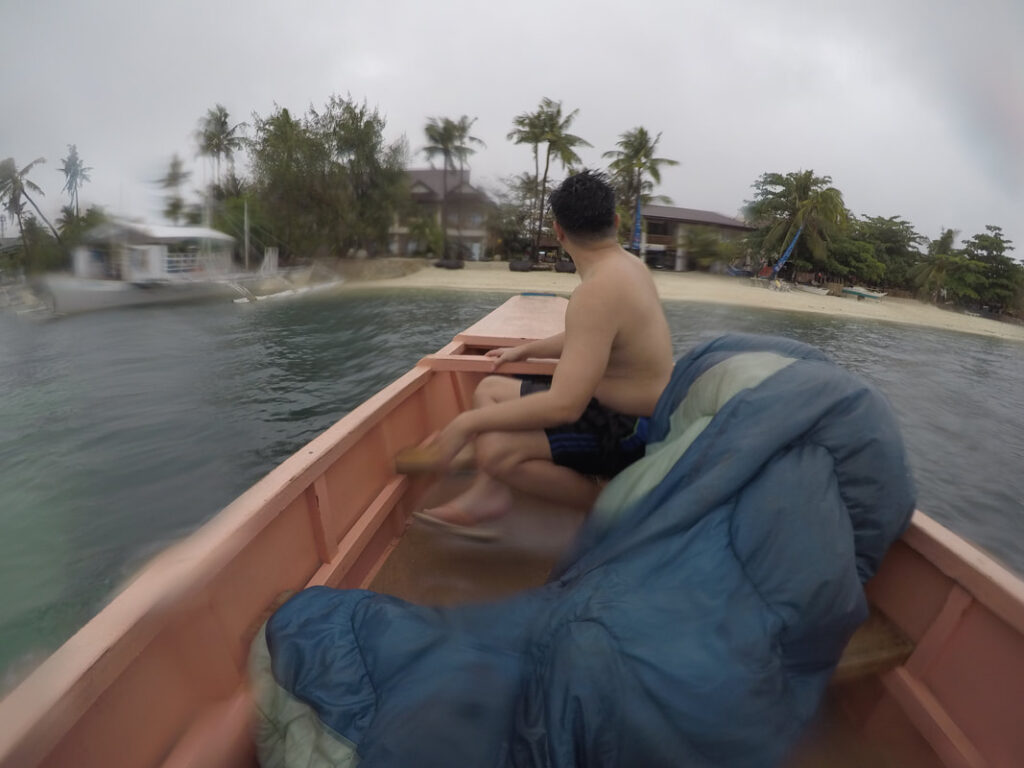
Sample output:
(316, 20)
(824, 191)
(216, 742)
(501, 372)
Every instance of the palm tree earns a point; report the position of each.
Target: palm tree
(15, 187)
(635, 168)
(451, 141)
(174, 207)
(217, 138)
(549, 126)
(75, 175)
(529, 129)
(784, 204)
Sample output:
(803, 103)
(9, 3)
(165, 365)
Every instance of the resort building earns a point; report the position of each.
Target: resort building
(664, 233)
(467, 211)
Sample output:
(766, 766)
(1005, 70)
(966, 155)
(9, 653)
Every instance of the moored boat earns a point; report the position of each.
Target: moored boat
(862, 293)
(124, 264)
(158, 677)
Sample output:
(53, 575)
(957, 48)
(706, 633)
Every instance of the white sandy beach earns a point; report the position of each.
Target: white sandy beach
(696, 286)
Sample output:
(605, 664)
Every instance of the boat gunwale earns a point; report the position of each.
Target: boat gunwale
(988, 581)
(47, 704)
(54, 696)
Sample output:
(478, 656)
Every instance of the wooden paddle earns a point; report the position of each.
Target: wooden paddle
(417, 459)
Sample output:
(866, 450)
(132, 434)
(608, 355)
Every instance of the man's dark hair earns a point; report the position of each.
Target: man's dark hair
(584, 206)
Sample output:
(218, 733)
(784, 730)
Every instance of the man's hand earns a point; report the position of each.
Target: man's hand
(506, 355)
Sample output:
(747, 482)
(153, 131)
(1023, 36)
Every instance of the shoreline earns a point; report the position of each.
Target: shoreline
(697, 287)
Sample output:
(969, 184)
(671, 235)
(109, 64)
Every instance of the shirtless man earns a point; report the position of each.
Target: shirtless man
(614, 359)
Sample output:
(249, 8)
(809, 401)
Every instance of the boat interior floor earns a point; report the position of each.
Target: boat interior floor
(432, 566)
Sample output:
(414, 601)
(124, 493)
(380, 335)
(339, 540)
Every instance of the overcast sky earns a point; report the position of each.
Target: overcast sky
(913, 107)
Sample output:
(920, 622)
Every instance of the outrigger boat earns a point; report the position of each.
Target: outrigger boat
(158, 678)
(862, 293)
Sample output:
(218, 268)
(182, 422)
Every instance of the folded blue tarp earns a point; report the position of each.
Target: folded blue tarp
(696, 621)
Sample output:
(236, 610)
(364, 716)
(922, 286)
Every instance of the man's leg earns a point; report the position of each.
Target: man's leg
(520, 460)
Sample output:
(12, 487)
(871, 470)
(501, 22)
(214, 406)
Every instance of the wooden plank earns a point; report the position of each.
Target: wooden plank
(359, 535)
(991, 584)
(485, 365)
(932, 721)
(877, 646)
(521, 318)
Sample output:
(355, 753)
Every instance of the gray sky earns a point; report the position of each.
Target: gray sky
(914, 108)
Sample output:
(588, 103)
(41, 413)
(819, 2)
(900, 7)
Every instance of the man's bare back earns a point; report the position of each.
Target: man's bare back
(614, 361)
(640, 362)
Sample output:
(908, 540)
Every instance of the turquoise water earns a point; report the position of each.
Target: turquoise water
(123, 431)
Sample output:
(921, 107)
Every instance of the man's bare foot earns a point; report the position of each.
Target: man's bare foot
(468, 514)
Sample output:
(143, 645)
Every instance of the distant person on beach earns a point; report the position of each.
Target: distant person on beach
(550, 437)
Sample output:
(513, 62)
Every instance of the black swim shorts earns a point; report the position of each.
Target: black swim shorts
(601, 442)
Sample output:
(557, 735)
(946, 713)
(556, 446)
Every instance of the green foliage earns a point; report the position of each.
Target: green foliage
(547, 125)
(43, 251)
(783, 204)
(1003, 276)
(512, 219)
(979, 274)
(853, 259)
(174, 203)
(635, 170)
(217, 138)
(327, 182)
(14, 192)
(73, 227)
(895, 245)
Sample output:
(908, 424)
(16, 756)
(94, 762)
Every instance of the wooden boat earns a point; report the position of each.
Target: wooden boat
(862, 293)
(936, 676)
(818, 291)
(126, 264)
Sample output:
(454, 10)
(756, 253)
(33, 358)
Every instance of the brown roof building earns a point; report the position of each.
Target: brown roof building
(467, 210)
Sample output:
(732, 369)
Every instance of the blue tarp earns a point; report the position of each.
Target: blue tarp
(696, 621)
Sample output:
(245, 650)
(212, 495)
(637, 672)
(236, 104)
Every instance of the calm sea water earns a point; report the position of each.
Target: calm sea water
(123, 431)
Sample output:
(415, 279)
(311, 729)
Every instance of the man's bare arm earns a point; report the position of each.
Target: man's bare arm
(590, 330)
(549, 347)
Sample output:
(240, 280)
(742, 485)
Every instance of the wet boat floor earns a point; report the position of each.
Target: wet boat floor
(432, 566)
(436, 567)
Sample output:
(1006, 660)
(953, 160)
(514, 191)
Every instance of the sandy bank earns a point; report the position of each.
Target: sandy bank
(696, 286)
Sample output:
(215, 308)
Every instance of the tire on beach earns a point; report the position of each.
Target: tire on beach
(565, 266)
(522, 265)
(450, 263)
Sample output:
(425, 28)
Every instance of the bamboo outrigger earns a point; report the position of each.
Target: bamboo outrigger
(158, 678)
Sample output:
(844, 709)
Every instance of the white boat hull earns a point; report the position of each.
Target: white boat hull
(68, 295)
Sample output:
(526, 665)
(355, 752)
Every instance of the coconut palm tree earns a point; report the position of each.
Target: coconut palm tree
(75, 175)
(451, 141)
(785, 203)
(635, 168)
(14, 190)
(529, 129)
(547, 125)
(217, 138)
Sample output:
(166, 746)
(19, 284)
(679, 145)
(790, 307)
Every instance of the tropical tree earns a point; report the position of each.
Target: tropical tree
(945, 273)
(217, 138)
(450, 140)
(14, 190)
(368, 173)
(75, 175)
(511, 220)
(785, 203)
(636, 170)
(549, 126)
(1004, 278)
(895, 245)
(174, 205)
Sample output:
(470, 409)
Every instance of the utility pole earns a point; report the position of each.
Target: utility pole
(245, 216)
